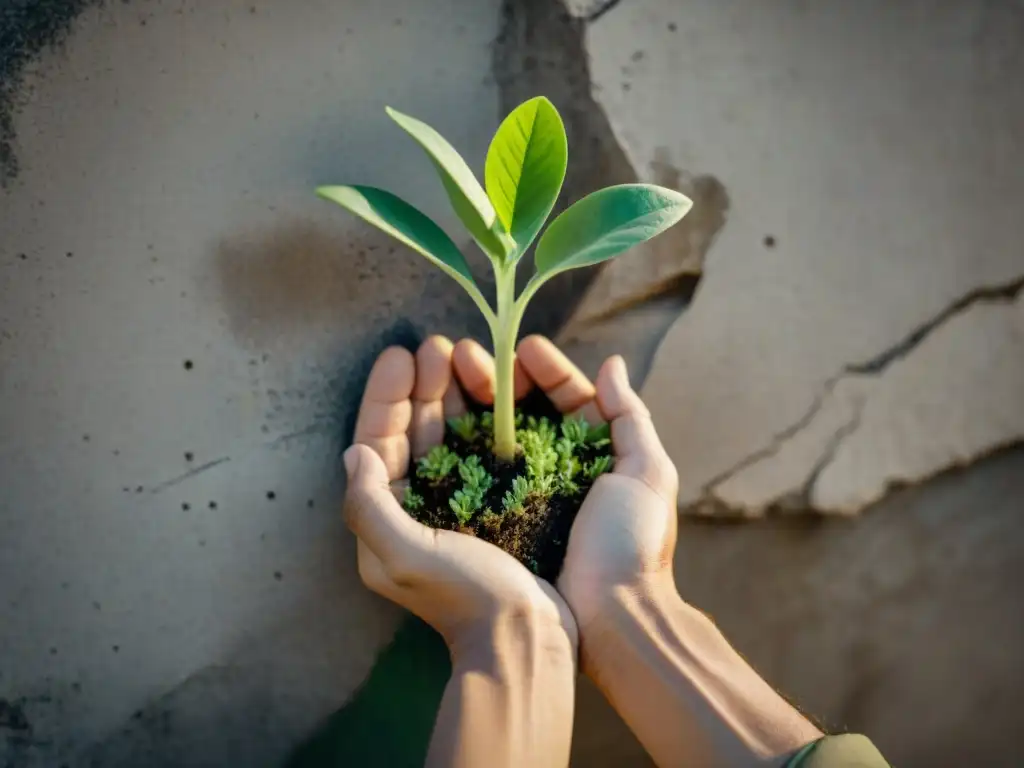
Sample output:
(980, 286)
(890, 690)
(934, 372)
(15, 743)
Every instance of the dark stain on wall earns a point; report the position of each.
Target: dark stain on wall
(26, 28)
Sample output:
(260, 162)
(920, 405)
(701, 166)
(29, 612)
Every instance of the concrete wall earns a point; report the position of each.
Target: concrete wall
(157, 606)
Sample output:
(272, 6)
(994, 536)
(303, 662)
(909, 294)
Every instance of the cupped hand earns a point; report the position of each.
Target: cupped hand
(460, 585)
(624, 536)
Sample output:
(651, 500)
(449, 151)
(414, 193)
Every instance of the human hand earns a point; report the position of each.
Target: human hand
(623, 539)
(460, 585)
(666, 669)
(624, 536)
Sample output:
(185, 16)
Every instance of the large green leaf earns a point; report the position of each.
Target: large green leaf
(403, 222)
(605, 223)
(467, 197)
(525, 168)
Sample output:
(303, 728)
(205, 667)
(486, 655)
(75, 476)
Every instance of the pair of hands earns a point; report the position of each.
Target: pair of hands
(621, 542)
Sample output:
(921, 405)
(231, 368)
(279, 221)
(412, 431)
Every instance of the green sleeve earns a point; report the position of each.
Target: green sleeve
(847, 751)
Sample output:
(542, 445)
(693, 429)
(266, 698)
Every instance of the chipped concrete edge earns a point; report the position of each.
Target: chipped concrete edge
(807, 499)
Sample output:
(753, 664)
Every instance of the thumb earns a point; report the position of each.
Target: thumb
(638, 450)
(372, 512)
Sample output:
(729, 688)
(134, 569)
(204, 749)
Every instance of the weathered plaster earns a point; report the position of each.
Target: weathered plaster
(164, 207)
(872, 162)
(136, 631)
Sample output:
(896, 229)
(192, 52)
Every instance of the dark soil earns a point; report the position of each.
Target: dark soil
(538, 537)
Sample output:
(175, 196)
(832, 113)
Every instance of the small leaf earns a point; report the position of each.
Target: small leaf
(525, 168)
(467, 197)
(404, 223)
(605, 223)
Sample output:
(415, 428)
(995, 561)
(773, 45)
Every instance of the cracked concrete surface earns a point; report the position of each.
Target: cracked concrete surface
(872, 165)
(162, 215)
(899, 421)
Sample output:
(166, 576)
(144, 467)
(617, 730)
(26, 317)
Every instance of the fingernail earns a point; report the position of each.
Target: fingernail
(351, 459)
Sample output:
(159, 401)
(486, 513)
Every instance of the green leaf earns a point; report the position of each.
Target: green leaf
(467, 197)
(525, 168)
(605, 223)
(404, 223)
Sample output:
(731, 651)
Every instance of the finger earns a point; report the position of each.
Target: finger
(564, 384)
(521, 381)
(638, 450)
(393, 451)
(433, 382)
(453, 402)
(386, 411)
(474, 368)
(376, 518)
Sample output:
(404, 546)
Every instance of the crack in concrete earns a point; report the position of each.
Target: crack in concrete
(871, 368)
(190, 474)
(601, 10)
(778, 439)
(1001, 293)
(802, 499)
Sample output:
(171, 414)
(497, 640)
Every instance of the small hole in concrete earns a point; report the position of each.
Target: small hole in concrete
(115, 648)
(189, 456)
(22, 256)
(278, 575)
(185, 506)
(672, 26)
(139, 489)
(53, 651)
(271, 495)
(188, 365)
(85, 438)
(309, 503)
(213, 505)
(769, 241)
(70, 254)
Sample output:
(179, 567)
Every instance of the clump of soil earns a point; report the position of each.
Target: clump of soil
(525, 507)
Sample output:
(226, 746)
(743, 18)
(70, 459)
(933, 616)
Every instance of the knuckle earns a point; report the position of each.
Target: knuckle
(661, 474)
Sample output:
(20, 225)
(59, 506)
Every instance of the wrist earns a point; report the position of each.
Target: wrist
(651, 653)
(513, 638)
(620, 612)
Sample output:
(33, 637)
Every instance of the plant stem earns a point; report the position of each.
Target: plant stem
(504, 333)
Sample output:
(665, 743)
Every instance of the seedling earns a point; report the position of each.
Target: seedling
(523, 175)
(436, 465)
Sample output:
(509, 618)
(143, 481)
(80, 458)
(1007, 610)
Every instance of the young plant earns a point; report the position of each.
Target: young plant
(523, 175)
(436, 465)
(597, 467)
(470, 498)
(515, 499)
(465, 426)
(412, 501)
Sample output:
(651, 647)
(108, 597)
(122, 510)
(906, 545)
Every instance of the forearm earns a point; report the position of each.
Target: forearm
(510, 699)
(682, 689)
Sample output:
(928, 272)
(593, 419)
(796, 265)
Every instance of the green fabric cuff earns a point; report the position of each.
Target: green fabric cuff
(849, 750)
